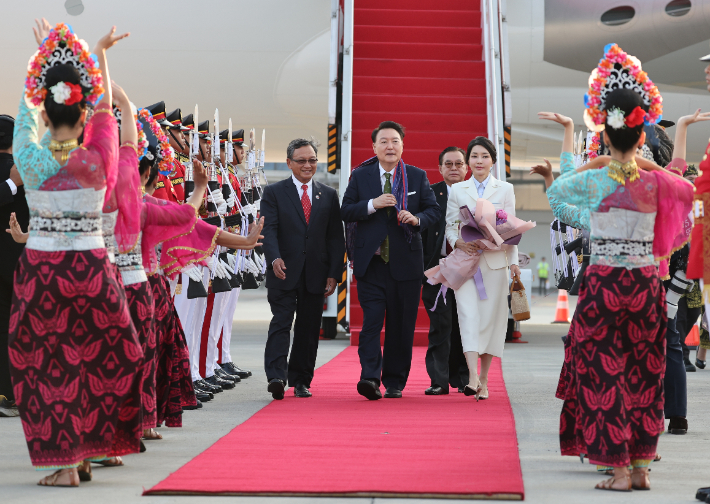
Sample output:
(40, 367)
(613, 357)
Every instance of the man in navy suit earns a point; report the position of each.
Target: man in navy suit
(304, 248)
(388, 260)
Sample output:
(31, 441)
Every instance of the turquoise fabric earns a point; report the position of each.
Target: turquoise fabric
(33, 160)
(573, 196)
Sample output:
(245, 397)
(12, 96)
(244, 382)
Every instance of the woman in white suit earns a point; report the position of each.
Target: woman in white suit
(483, 323)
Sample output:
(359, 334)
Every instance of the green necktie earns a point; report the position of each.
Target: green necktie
(385, 247)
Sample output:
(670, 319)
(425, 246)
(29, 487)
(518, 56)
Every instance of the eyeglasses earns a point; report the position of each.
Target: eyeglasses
(303, 162)
(450, 164)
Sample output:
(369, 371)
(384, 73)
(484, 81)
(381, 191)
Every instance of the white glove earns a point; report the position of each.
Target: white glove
(230, 200)
(217, 198)
(194, 274)
(232, 258)
(249, 210)
(251, 267)
(258, 260)
(227, 270)
(217, 268)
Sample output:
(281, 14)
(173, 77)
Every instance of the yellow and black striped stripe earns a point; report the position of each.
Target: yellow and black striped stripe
(506, 148)
(333, 160)
(343, 293)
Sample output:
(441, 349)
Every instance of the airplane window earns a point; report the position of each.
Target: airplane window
(678, 8)
(618, 15)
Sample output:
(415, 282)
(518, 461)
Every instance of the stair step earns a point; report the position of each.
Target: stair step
(414, 121)
(421, 34)
(410, 17)
(422, 51)
(419, 86)
(383, 67)
(462, 5)
(435, 141)
(385, 103)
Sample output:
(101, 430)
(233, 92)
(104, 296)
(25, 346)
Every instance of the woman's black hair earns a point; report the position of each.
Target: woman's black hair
(60, 114)
(660, 144)
(626, 100)
(486, 144)
(149, 163)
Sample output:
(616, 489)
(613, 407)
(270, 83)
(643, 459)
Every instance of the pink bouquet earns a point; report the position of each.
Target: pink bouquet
(490, 230)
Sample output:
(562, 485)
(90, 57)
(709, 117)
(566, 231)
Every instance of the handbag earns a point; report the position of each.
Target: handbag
(519, 300)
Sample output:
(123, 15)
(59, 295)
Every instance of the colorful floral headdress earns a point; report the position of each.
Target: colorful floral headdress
(62, 46)
(618, 70)
(166, 154)
(142, 146)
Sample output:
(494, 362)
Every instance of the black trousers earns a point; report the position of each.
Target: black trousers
(685, 319)
(445, 361)
(674, 382)
(543, 286)
(381, 295)
(308, 307)
(5, 305)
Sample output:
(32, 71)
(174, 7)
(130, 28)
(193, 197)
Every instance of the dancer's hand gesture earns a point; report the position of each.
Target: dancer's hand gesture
(555, 117)
(109, 40)
(693, 118)
(42, 30)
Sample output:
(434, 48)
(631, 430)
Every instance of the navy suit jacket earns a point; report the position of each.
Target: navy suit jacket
(317, 247)
(406, 259)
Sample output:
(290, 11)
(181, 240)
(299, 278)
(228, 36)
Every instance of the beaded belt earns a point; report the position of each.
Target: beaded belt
(63, 232)
(131, 267)
(621, 248)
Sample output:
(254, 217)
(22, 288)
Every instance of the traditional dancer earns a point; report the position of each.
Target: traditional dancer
(621, 303)
(73, 350)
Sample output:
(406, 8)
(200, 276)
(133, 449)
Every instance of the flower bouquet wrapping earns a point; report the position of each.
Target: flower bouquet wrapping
(488, 228)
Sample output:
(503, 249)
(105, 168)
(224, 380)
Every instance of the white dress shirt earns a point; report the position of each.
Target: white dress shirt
(299, 188)
(481, 186)
(370, 206)
(12, 185)
(443, 245)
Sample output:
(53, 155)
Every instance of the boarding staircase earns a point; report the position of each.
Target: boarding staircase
(419, 63)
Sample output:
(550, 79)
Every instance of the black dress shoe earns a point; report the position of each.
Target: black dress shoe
(142, 448)
(700, 363)
(460, 390)
(199, 390)
(207, 387)
(301, 390)
(393, 393)
(678, 425)
(203, 396)
(689, 368)
(233, 369)
(226, 376)
(436, 390)
(196, 406)
(369, 389)
(276, 387)
(216, 380)
(702, 494)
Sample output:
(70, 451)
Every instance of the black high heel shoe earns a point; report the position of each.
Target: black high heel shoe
(469, 391)
(700, 363)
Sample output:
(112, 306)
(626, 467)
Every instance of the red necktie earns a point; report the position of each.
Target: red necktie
(448, 248)
(306, 202)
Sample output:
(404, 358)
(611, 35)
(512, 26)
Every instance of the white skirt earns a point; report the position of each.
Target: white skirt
(484, 323)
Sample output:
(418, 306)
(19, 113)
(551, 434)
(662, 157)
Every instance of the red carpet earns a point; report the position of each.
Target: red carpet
(339, 444)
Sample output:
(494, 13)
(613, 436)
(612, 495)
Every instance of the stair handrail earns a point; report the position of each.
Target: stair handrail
(491, 39)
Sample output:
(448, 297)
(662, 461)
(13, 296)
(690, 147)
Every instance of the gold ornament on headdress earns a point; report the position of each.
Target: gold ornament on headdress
(64, 147)
(620, 172)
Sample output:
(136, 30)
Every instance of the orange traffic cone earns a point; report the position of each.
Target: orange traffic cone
(562, 315)
(517, 335)
(693, 338)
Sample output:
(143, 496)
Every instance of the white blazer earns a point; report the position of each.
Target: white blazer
(501, 195)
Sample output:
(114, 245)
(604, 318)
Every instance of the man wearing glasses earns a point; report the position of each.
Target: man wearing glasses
(304, 247)
(445, 361)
